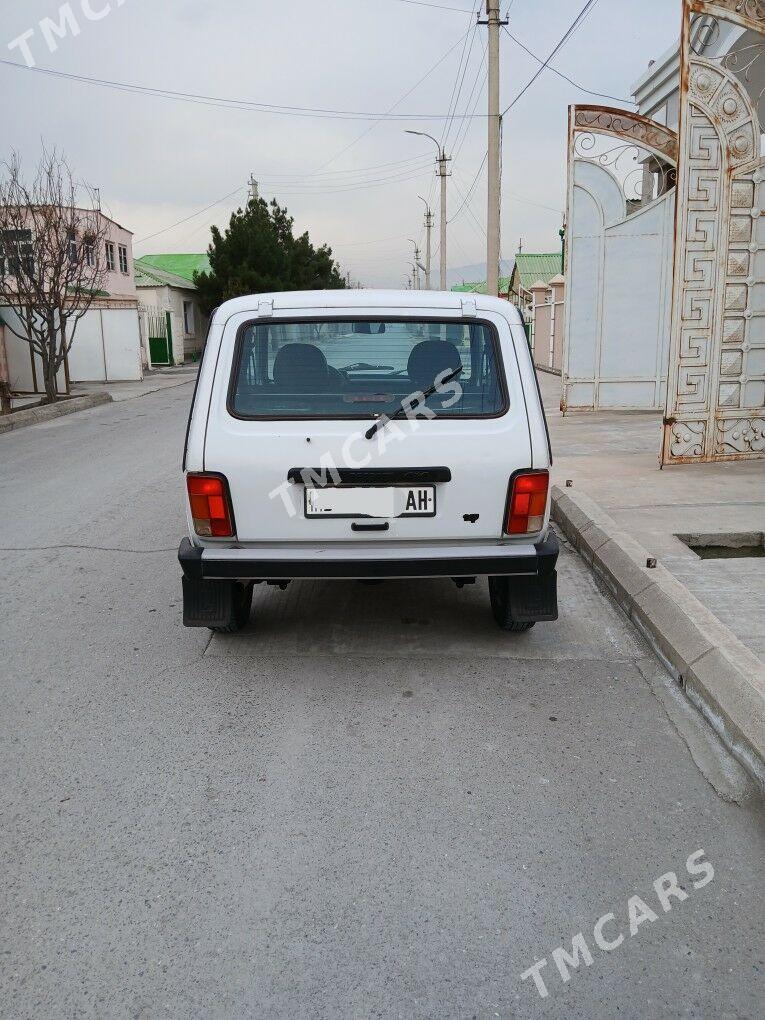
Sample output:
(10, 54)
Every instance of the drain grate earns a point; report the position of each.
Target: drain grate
(741, 545)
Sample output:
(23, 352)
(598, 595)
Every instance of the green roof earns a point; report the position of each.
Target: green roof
(530, 267)
(148, 276)
(480, 287)
(184, 266)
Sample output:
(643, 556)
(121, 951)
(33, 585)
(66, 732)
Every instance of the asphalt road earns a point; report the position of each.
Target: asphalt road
(371, 804)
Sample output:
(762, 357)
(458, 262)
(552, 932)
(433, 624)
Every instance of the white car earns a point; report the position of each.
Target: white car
(352, 434)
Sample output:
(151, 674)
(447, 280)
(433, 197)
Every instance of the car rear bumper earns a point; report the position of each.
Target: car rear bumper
(247, 564)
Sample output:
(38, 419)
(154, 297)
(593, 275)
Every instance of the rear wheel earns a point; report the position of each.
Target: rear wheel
(241, 605)
(499, 593)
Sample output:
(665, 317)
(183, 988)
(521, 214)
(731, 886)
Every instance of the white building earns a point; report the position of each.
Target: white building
(107, 342)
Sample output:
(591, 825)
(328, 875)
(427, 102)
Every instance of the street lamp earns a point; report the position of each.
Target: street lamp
(442, 159)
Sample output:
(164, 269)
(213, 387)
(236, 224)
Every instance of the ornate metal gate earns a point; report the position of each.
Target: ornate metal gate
(620, 216)
(716, 390)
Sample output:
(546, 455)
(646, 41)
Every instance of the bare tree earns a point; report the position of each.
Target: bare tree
(52, 258)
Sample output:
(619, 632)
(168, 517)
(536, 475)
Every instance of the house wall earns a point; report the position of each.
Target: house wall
(120, 284)
(117, 284)
(548, 326)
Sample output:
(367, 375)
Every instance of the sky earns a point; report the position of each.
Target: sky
(351, 183)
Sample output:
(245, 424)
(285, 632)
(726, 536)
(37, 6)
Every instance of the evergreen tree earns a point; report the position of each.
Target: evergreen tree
(259, 253)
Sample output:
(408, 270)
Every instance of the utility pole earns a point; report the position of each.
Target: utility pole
(443, 172)
(416, 264)
(428, 229)
(494, 23)
(254, 193)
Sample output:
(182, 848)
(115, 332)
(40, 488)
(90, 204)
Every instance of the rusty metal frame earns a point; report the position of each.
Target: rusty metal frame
(624, 125)
(745, 13)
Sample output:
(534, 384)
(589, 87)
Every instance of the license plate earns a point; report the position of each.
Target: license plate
(376, 501)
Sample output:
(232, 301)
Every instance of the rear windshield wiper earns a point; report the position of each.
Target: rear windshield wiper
(405, 402)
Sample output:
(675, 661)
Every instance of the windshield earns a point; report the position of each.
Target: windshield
(363, 368)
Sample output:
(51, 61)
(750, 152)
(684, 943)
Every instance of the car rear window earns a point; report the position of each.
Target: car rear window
(361, 368)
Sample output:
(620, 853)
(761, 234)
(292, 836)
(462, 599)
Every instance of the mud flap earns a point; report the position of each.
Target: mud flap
(534, 599)
(207, 603)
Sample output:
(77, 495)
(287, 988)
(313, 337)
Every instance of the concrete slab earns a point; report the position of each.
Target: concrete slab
(729, 687)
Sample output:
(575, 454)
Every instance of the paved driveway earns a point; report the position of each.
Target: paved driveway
(373, 803)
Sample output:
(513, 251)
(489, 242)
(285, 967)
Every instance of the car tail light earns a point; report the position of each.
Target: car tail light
(210, 505)
(528, 502)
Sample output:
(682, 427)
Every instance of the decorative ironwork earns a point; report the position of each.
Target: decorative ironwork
(625, 125)
(641, 175)
(716, 392)
(747, 13)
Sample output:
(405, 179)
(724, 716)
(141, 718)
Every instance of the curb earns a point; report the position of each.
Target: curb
(723, 678)
(35, 415)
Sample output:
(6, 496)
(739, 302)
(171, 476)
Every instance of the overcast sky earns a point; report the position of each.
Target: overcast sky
(158, 160)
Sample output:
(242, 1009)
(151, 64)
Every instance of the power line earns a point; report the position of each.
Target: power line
(559, 45)
(465, 125)
(565, 77)
(439, 7)
(358, 186)
(472, 187)
(186, 219)
(319, 113)
(454, 98)
(377, 240)
(469, 208)
(398, 102)
(275, 175)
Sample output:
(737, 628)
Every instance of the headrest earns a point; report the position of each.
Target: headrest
(300, 368)
(429, 359)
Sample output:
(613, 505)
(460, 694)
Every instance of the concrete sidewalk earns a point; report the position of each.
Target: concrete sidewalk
(27, 409)
(613, 459)
(153, 380)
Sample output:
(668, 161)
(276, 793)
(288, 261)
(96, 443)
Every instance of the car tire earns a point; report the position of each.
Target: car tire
(241, 606)
(499, 594)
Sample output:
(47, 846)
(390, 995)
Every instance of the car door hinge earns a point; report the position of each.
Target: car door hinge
(469, 308)
(265, 309)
